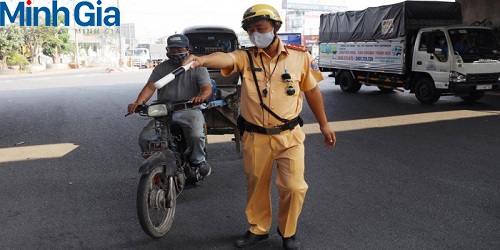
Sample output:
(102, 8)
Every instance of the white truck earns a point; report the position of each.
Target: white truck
(418, 46)
(147, 54)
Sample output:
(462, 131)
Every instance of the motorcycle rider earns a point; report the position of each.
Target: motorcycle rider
(193, 85)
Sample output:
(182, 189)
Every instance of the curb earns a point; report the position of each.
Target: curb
(120, 69)
(18, 74)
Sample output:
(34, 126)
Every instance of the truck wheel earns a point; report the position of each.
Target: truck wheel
(473, 96)
(348, 83)
(426, 92)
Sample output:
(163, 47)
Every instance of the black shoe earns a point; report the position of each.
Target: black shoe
(290, 243)
(204, 168)
(249, 239)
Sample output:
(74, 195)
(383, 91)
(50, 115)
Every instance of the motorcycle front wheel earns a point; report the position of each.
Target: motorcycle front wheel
(156, 200)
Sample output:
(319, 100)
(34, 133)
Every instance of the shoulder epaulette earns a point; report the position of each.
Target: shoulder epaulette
(296, 47)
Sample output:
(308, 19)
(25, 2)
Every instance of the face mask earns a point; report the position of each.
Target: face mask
(177, 58)
(262, 40)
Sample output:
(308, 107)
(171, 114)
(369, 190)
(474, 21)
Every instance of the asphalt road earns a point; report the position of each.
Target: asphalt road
(402, 176)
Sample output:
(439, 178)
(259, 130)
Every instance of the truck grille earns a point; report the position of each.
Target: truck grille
(482, 78)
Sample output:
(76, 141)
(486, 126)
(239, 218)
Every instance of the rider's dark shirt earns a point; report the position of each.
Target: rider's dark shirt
(183, 87)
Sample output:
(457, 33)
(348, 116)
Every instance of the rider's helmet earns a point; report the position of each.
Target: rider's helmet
(261, 12)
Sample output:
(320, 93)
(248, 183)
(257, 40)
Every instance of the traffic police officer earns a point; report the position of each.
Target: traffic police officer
(270, 107)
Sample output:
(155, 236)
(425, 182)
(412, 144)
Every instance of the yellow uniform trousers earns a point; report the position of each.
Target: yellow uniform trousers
(259, 153)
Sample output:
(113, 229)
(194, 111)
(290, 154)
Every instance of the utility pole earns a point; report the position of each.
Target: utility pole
(76, 40)
(120, 38)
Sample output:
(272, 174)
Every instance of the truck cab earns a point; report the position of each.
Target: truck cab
(138, 57)
(460, 60)
(157, 53)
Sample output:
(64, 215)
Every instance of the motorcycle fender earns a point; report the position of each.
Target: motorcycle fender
(166, 159)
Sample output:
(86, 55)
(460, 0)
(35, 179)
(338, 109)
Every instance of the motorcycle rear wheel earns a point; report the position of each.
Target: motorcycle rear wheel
(156, 201)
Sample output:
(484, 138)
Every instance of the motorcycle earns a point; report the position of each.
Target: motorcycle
(165, 171)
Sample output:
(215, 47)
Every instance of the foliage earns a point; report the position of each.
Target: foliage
(38, 38)
(488, 23)
(57, 44)
(34, 38)
(10, 41)
(484, 22)
(30, 41)
(17, 59)
(496, 31)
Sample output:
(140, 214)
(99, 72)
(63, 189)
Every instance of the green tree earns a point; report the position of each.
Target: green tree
(11, 40)
(34, 38)
(57, 42)
(488, 23)
(17, 59)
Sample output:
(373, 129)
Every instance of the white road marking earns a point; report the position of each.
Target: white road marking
(382, 122)
(35, 152)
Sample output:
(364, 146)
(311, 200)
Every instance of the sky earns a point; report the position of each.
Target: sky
(157, 18)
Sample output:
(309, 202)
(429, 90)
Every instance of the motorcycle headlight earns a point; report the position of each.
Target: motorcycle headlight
(457, 77)
(157, 110)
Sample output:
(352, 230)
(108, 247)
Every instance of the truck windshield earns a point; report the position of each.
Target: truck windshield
(475, 44)
(135, 52)
(204, 43)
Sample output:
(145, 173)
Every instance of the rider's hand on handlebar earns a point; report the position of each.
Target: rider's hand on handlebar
(197, 100)
(131, 108)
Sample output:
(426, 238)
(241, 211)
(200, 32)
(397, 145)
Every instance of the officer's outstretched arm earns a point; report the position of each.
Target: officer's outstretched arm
(217, 60)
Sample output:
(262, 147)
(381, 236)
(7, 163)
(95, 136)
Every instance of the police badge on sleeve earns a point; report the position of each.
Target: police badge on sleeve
(314, 65)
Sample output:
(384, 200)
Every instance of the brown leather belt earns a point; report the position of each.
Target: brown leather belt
(250, 127)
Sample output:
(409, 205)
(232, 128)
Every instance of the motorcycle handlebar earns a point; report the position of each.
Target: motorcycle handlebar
(141, 109)
(161, 83)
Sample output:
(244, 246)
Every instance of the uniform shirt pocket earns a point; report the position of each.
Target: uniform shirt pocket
(249, 84)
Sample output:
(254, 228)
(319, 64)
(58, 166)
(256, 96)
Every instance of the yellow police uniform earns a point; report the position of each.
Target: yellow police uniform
(286, 148)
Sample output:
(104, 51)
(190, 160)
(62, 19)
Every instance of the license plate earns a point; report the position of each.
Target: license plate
(484, 86)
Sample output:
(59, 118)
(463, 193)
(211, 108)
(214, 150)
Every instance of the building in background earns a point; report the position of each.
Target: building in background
(311, 42)
(302, 16)
(97, 46)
